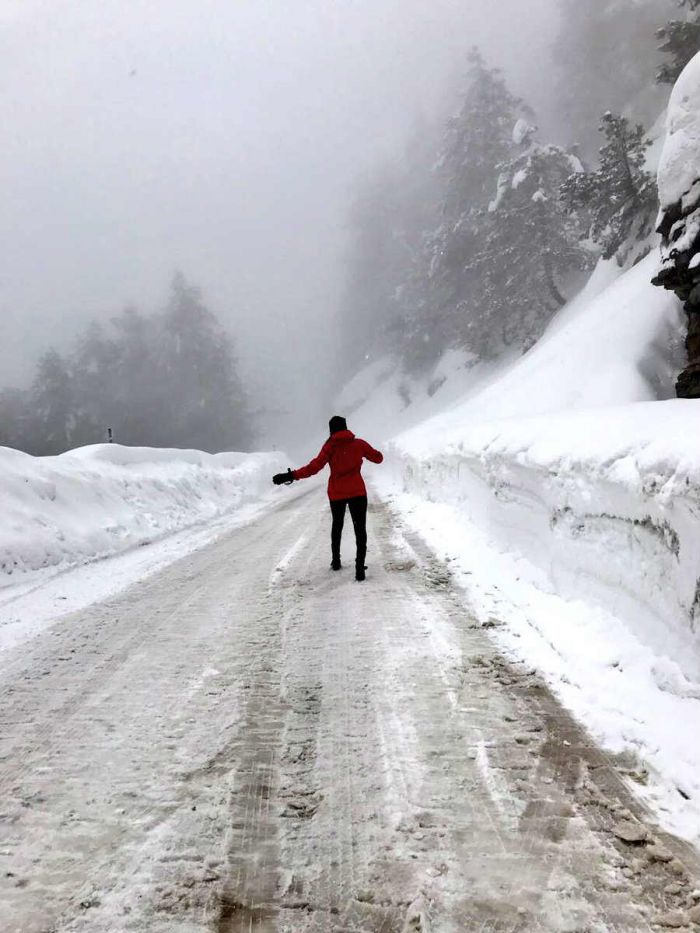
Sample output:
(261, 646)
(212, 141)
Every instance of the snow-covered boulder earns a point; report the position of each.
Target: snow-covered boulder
(679, 217)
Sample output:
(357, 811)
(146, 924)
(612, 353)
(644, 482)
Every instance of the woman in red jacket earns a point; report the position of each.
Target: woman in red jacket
(344, 453)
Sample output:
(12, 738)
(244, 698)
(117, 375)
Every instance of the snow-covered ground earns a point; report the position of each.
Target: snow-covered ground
(140, 507)
(564, 490)
(247, 741)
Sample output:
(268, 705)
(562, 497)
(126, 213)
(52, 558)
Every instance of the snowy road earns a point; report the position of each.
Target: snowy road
(246, 741)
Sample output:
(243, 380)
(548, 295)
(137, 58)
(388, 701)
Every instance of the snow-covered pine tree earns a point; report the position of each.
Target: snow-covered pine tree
(478, 139)
(620, 195)
(530, 247)
(680, 41)
(415, 300)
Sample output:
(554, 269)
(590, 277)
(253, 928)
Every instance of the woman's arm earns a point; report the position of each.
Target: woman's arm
(314, 466)
(370, 453)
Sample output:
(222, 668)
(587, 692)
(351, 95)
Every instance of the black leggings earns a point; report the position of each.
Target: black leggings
(358, 514)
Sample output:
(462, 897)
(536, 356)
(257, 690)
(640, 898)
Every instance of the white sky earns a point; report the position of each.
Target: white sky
(218, 136)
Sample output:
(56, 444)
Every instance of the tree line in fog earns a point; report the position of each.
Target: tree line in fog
(167, 379)
(487, 227)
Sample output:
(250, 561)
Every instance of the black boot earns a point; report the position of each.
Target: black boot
(335, 564)
(360, 572)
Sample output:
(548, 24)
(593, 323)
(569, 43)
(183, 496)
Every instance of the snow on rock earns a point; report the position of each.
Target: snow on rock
(100, 500)
(679, 217)
(678, 166)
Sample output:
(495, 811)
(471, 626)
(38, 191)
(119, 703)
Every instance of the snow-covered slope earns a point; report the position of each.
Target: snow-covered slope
(97, 501)
(564, 490)
(618, 341)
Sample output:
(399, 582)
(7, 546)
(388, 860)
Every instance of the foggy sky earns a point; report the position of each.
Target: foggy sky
(221, 137)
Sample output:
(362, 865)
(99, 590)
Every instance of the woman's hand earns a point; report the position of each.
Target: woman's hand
(283, 479)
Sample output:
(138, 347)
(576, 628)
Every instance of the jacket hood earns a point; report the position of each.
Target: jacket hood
(342, 437)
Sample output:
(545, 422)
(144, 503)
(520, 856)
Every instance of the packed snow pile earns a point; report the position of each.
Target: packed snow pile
(100, 500)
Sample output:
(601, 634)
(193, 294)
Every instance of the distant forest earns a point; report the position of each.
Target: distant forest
(472, 241)
(160, 380)
(485, 229)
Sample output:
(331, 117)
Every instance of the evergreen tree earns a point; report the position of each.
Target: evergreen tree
(96, 377)
(165, 380)
(203, 401)
(137, 394)
(52, 405)
(15, 419)
(478, 140)
(530, 248)
(415, 334)
(620, 195)
(680, 41)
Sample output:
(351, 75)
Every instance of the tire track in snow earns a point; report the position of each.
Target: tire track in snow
(358, 757)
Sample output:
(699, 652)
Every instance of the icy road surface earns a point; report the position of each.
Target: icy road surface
(249, 742)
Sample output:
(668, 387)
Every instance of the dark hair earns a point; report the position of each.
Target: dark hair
(337, 424)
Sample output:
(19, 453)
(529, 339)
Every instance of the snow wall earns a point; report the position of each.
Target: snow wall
(577, 458)
(608, 507)
(100, 500)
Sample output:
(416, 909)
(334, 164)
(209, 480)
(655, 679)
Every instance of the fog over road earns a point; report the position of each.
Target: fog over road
(247, 741)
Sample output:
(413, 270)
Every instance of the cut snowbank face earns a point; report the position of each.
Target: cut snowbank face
(96, 501)
(607, 503)
(577, 536)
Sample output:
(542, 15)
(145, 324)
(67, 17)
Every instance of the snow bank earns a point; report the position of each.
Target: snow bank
(604, 497)
(607, 503)
(565, 492)
(100, 500)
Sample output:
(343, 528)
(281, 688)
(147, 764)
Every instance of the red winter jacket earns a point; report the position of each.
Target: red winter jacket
(345, 453)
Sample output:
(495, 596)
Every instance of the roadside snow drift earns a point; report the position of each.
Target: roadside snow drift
(97, 501)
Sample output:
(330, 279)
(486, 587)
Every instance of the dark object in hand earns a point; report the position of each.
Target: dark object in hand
(283, 479)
